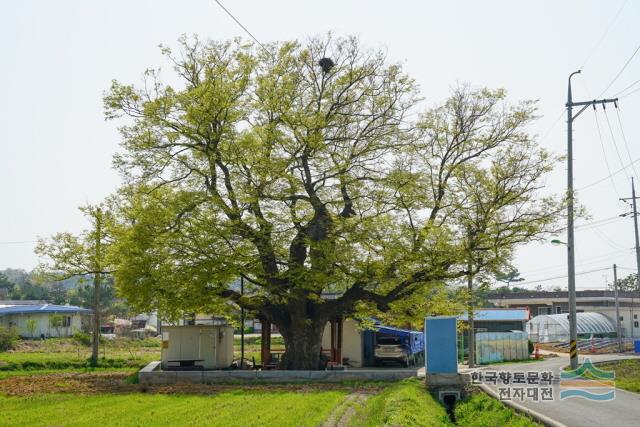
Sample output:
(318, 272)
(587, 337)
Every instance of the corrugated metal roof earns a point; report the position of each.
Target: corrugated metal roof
(497, 314)
(41, 308)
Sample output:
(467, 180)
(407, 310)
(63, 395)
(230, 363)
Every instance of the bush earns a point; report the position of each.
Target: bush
(8, 338)
(82, 338)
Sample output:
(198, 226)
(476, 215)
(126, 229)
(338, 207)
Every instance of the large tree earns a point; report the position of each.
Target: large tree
(304, 168)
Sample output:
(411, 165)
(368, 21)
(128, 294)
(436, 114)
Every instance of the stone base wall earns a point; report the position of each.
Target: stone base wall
(151, 374)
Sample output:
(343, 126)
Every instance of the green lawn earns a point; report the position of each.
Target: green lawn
(237, 408)
(627, 373)
(406, 403)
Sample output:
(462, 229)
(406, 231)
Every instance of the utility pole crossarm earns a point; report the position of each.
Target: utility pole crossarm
(593, 102)
(585, 104)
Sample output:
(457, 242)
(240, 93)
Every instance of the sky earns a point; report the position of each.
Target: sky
(58, 58)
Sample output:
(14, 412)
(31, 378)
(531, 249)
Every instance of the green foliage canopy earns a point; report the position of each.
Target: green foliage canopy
(308, 182)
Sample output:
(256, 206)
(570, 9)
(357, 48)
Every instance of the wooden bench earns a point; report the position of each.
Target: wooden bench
(184, 365)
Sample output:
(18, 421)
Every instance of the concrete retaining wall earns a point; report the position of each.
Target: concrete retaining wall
(151, 374)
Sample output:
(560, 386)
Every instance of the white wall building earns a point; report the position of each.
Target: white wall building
(48, 320)
(351, 341)
(204, 346)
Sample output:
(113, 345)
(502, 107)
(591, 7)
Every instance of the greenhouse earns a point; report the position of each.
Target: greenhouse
(555, 327)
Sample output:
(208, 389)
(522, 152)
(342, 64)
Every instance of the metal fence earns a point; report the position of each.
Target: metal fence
(494, 347)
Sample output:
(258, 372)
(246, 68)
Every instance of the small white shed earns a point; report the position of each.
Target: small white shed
(195, 346)
(351, 342)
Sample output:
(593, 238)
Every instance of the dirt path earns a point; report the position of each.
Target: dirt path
(343, 413)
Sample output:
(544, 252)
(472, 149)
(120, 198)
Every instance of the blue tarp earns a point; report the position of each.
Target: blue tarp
(415, 338)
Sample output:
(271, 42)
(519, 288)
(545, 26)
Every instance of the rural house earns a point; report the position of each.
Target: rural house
(37, 320)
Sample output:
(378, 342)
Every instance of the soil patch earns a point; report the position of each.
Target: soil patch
(116, 382)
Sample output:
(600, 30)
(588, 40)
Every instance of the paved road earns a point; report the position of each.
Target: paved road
(624, 410)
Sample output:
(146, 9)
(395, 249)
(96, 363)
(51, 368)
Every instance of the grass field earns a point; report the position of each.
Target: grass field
(57, 354)
(627, 374)
(408, 403)
(481, 410)
(66, 354)
(50, 383)
(237, 408)
(403, 404)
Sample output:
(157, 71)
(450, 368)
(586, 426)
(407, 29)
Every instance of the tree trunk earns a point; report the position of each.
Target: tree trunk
(95, 339)
(303, 341)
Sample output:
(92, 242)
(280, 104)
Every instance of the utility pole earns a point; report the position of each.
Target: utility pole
(615, 290)
(635, 225)
(573, 332)
(472, 327)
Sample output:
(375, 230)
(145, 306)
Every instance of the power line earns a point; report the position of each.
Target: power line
(606, 162)
(607, 240)
(604, 35)
(593, 227)
(553, 125)
(624, 138)
(630, 93)
(608, 176)
(621, 70)
(243, 27)
(598, 221)
(628, 87)
(563, 277)
(613, 139)
(586, 261)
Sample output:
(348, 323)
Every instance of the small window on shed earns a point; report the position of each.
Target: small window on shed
(635, 324)
(66, 321)
(558, 310)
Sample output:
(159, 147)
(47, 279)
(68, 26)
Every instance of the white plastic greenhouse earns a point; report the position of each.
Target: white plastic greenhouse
(555, 327)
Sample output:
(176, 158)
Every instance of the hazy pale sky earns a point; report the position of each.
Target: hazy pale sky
(59, 57)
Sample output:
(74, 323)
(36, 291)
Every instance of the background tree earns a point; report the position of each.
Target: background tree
(628, 284)
(509, 276)
(5, 283)
(306, 180)
(110, 304)
(66, 255)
